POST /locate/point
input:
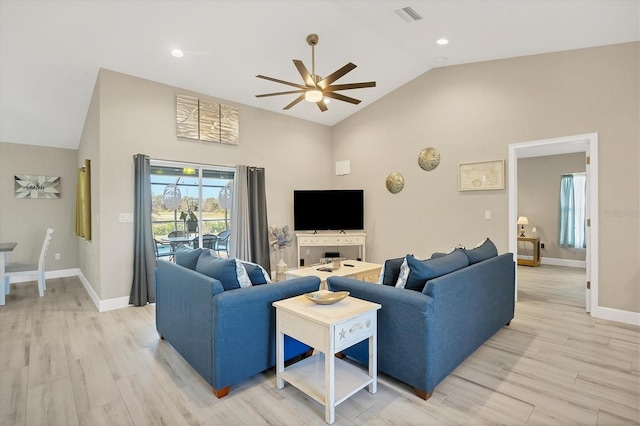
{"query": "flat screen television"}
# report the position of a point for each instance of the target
(331, 209)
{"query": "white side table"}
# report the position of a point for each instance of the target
(329, 329)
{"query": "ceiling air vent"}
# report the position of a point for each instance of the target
(408, 14)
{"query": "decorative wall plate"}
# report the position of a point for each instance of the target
(429, 159)
(395, 182)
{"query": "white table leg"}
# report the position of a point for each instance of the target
(279, 353)
(2, 262)
(329, 378)
(373, 361)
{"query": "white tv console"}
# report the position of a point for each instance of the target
(329, 239)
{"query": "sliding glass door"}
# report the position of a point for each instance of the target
(191, 204)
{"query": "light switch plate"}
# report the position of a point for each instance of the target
(487, 214)
(126, 217)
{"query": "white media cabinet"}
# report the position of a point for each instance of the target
(332, 239)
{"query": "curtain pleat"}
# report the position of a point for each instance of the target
(239, 240)
(572, 227)
(144, 259)
(249, 230)
(83, 202)
(567, 216)
(256, 192)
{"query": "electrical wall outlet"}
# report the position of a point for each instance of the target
(57, 256)
(541, 245)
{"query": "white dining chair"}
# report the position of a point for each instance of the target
(30, 269)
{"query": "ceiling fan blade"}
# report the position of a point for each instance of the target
(325, 82)
(288, 83)
(280, 93)
(304, 73)
(340, 97)
(349, 86)
(296, 101)
(322, 105)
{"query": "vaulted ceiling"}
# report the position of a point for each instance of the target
(51, 50)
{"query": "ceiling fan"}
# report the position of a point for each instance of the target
(316, 88)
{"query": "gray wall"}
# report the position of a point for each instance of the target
(539, 200)
(472, 113)
(25, 220)
(139, 116)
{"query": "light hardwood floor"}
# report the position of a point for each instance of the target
(64, 363)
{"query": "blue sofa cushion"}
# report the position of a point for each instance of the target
(257, 274)
(187, 257)
(390, 271)
(482, 251)
(229, 272)
(421, 271)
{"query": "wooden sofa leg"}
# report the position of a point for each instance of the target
(340, 355)
(307, 354)
(422, 394)
(509, 323)
(221, 392)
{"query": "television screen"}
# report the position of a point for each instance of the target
(332, 209)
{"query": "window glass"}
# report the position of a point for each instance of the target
(190, 200)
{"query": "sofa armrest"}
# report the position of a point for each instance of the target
(183, 312)
(470, 305)
(402, 323)
(244, 329)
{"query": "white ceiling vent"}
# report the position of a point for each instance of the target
(408, 14)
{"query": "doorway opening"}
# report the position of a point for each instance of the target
(588, 144)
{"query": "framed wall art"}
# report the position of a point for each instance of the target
(481, 176)
(33, 186)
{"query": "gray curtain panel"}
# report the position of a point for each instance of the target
(260, 250)
(249, 230)
(143, 289)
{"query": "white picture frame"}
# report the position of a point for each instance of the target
(481, 176)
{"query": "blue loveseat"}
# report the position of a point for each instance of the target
(226, 335)
(424, 333)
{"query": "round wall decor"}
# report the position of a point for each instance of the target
(395, 182)
(429, 159)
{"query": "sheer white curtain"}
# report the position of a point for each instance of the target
(573, 210)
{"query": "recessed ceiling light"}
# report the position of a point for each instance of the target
(442, 41)
(177, 53)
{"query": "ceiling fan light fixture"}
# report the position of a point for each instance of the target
(313, 95)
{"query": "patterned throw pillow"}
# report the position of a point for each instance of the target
(257, 274)
(404, 273)
(390, 271)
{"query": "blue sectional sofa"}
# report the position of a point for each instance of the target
(226, 335)
(424, 333)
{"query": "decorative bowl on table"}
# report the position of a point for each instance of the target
(325, 297)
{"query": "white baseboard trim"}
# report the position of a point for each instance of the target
(60, 273)
(618, 315)
(103, 305)
(563, 262)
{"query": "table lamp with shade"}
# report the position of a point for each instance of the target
(522, 220)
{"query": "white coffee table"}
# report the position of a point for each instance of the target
(329, 329)
(364, 271)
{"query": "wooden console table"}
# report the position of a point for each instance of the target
(535, 260)
(326, 239)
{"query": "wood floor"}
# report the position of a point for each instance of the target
(64, 363)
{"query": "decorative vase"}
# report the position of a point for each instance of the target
(281, 267)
